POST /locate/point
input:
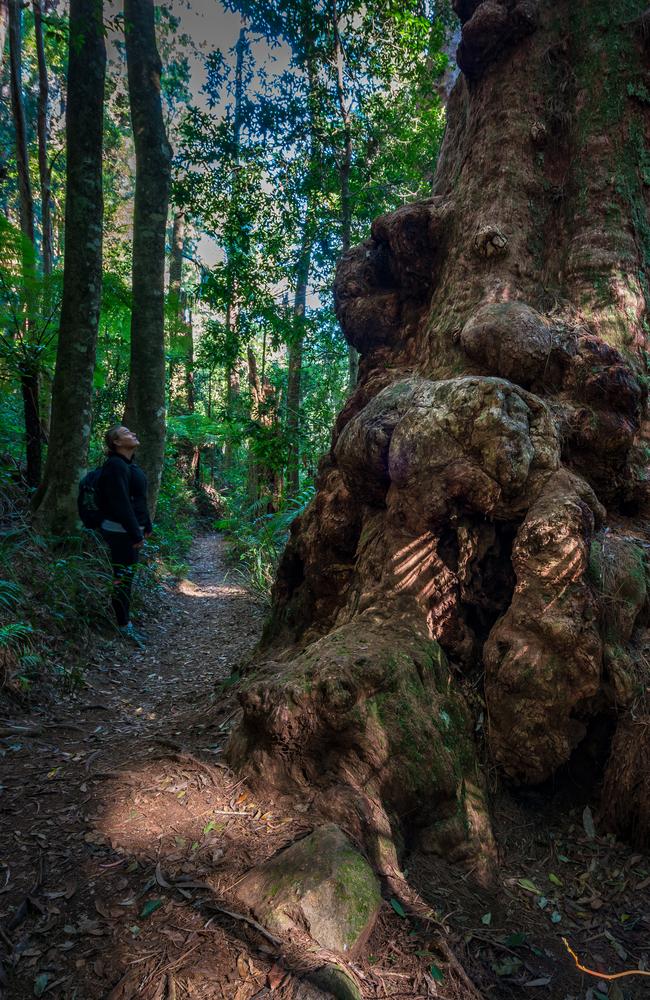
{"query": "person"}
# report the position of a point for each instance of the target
(122, 495)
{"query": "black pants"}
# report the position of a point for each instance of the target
(123, 560)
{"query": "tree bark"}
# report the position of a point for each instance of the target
(4, 22)
(42, 128)
(145, 405)
(181, 373)
(18, 113)
(56, 500)
(345, 166)
(29, 382)
(483, 507)
(232, 307)
(295, 355)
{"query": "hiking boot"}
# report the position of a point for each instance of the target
(132, 634)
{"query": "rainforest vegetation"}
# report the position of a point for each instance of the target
(369, 280)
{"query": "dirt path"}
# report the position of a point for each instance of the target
(116, 810)
(123, 837)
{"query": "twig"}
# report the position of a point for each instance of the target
(602, 975)
(248, 920)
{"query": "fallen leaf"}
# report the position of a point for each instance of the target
(102, 909)
(397, 906)
(276, 977)
(542, 981)
(436, 974)
(160, 878)
(242, 966)
(40, 984)
(554, 879)
(150, 907)
(588, 823)
(526, 883)
(486, 919)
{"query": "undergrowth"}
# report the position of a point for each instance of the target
(258, 539)
(55, 596)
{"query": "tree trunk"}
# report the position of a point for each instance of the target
(232, 308)
(4, 22)
(43, 166)
(483, 504)
(181, 373)
(18, 114)
(56, 501)
(295, 356)
(345, 166)
(29, 382)
(145, 405)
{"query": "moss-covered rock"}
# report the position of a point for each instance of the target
(320, 885)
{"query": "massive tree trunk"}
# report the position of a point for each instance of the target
(82, 272)
(145, 405)
(481, 511)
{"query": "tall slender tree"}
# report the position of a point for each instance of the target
(145, 406)
(55, 501)
(4, 22)
(42, 128)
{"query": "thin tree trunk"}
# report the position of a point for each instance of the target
(181, 374)
(55, 503)
(18, 112)
(4, 21)
(232, 339)
(295, 357)
(29, 388)
(345, 167)
(145, 406)
(42, 127)
(29, 380)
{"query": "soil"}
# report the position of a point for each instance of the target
(123, 836)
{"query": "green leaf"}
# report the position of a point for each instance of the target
(40, 984)
(563, 858)
(507, 966)
(150, 907)
(436, 973)
(556, 917)
(526, 883)
(542, 902)
(209, 826)
(517, 940)
(554, 879)
(397, 906)
(486, 919)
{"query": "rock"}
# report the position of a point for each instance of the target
(321, 885)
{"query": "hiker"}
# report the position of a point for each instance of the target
(122, 495)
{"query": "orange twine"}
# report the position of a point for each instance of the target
(602, 975)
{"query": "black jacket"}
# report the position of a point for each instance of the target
(122, 491)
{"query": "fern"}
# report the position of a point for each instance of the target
(10, 594)
(14, 634)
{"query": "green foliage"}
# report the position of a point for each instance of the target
(258, 540)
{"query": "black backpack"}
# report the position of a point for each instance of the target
(88, 500)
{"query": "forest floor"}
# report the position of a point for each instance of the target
(123, 837)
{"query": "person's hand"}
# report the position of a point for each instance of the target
(138, 545)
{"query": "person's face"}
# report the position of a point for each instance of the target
(126, 438)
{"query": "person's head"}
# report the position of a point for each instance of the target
(119, 440)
